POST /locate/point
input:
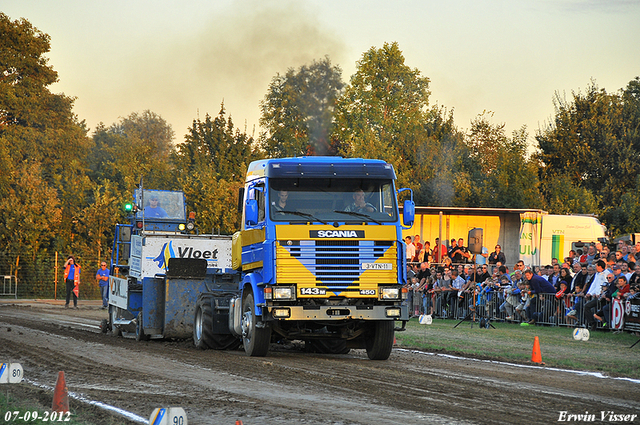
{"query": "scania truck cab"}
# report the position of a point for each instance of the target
(321, 256)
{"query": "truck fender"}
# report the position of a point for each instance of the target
(253, 281)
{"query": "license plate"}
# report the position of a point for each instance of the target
(377, 266)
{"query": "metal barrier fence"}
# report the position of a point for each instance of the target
(37, 277)
(9, 282)
(546, 309)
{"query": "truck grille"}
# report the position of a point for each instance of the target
(334, 263)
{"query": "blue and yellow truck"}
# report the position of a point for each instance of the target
(319, 258)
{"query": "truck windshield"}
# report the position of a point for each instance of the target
(160, 204)
(324, 200)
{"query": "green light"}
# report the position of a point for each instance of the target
(128, 207)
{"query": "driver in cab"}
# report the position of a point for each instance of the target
(359, 205)
(280, 205)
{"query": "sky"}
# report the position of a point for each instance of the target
(184, 59)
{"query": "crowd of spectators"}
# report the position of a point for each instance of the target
(451, 282)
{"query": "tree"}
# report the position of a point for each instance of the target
(150, 129)
(438, 177)
(502, 174)
(210, 165)
(297, 111)
(585, 140)
(215, 144)
(31, 212)
(626, 218)
(34, 123)
(97, 220)
(383, 110)
(563, 196)
(37, 127)
(24, 76)
(136, 146)
(592, 149)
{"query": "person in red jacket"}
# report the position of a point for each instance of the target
(72, 280)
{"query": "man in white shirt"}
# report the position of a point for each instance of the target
(411, 248)
(600, 280)
(457, 281)
(459, 284)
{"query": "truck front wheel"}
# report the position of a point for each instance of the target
(255, 338)
(379, 341)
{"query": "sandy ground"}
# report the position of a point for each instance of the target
(290, 386)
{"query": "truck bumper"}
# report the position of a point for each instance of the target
(377, 312)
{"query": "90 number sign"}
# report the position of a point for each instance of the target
(168, 416)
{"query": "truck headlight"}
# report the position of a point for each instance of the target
(389, 293)
(284, 293)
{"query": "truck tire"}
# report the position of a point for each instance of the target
(140, 335)
(255, 339)
(202, 334)
(203, 337)
(380, 341)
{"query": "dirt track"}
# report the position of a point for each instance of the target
(290, 387)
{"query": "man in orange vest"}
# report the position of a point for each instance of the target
(72, 280)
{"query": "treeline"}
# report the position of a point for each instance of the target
(62, 187)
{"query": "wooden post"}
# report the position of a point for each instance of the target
(16, 274)
(440, 238)
(55, 278)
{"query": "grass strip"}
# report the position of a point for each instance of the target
(605, 352)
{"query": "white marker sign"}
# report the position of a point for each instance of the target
(168, 416)
(10, 373)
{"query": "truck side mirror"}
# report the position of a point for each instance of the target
(408, 213)
(251, 212)
(240, 199)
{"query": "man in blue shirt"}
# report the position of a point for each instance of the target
(154, 209)
(481, 259)
(102, 277)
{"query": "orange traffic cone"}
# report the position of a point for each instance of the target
(60, 395)
(238, 422)
(536, 356)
